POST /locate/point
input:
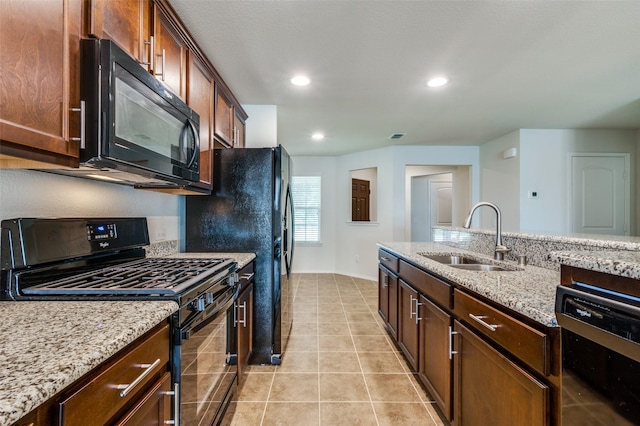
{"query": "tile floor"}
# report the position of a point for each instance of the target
(339, 368)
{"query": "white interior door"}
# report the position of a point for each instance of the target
(431, 204)
(600, 197)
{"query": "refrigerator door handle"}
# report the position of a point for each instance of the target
(288, 213)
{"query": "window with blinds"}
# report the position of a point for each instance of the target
(305, 191)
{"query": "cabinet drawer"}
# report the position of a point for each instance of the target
(100, 399)
(527, 343)
(388, 260)
(435, 289)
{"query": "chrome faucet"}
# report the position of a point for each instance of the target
(500, 248)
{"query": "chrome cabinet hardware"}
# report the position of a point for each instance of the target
(82, 112)
(176, 405)
(163, 57)
(148, 368)
(451, 351)
(150, 62)
(243, 321)
(411, 312)
(386, 259)
(479, 319)
(385, 281)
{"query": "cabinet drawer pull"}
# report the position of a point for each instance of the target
(479, 319)
(148, 368)
(386, 259)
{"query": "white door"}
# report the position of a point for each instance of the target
(600, 194)
(431, 204)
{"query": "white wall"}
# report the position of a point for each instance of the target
(261, 126)
(544, 167)
(500, 183)
(319, 258)
(354, 247)
(636, 170)
(26, 193)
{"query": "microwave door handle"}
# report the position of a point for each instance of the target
(183, 138)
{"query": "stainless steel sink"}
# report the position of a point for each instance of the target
(481, 267)
(467, 263)
(452, 259)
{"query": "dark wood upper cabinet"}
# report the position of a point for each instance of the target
(223, 118)
(200, 98)
(127, 23)
(38, 89)
(169, 63)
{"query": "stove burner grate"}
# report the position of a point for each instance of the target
(150, 276)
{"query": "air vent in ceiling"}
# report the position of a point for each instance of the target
(395, 136)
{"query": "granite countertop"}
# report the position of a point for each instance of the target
(528, 290)
(242, 259)
(622, 263)
(46, 346)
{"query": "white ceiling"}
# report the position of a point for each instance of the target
(511, 64)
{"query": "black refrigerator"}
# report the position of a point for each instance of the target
(250, 210)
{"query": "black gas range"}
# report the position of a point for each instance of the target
(104, 259)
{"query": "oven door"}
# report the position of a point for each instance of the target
(207, 381)
(600, 359)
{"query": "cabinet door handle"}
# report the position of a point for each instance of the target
(385, 281)
(176, 405)
(243, 321)
(479, 319)
(418, 304)
(149, 62)
(83, 114)
(148, 368)
(411, 306)
(451, 351)
(163, 61)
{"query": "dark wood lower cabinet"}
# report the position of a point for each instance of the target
(154, 408)
(388, 300)
(435, 362)
(489, 389)
(408, 322)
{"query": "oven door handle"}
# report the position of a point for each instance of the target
(205, 317)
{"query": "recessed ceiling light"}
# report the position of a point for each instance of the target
(300, 80)
(437, 81)
(317, 136)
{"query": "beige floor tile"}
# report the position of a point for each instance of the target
(339, 362)
(381, 362)
(256, 387)
(366, 328)
(299, 362)
(291, 414)
(244, 414)
(328, 309)
(334, 317)
(304, 329)
(402, 414)
(364, 316)
(304, 316)
(294, 387)
(302, 343)
(347, 413)
(343, 387)
(335, 344)
(378, 343)
(391, 388)
(333, 329)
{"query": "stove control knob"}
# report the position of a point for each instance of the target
(197, 305)
(209, 297)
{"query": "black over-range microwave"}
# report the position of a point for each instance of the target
(134, 129)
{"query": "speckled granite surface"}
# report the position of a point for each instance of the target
(529, 290)
(622, 263)
(241, 258)
(48, 345)
(535, 246)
